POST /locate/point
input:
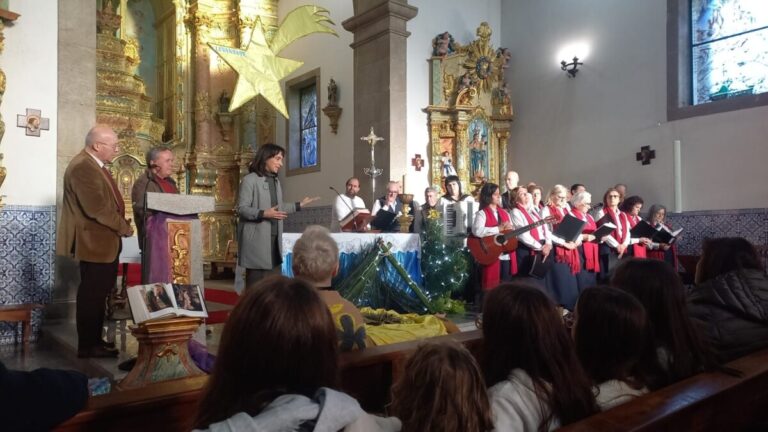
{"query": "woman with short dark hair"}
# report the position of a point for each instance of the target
(277, 366)
(534, 377)
(730, 300)
(491, 220)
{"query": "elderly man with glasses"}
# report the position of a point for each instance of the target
(391, 203)
(92, 222)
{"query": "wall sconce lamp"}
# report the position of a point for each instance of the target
(572, 67)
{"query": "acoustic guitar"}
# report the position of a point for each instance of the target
(487, 249)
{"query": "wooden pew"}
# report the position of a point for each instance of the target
(705, 402)
(171, 406)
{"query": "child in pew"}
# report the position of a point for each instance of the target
(278, 365)
(535, 379)
(614, 345)
(679, 347)
(441, 389)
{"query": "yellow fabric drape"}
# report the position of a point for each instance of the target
(409, 327)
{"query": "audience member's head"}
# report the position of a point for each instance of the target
(613, 339)
(441, 389)
(316, 256)
(723, 255)
(655, 283)
(522, 329)
(279, 339)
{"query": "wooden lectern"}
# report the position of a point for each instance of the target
(172, 253)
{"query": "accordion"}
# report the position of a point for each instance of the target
(457, 218)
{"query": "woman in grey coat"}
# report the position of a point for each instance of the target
(261, 212)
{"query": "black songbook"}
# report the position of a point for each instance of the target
(643, 229)
(604, 227)
(570, 228)
(540, 266)
(383, 220)
(664, 235)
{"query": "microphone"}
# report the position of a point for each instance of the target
(351, 210)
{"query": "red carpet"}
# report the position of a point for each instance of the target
(222, 297)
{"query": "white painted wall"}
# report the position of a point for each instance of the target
(30, 65)
(460, 18)
(333, 56)
(588, 129)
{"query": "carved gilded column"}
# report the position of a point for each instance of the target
(462, 148)
(502, 137)
(5, 15)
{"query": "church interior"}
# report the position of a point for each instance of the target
(407, 91)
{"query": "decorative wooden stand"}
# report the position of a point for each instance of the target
(163, 352)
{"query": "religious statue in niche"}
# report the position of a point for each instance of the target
(447, 165)
(333, 93)
(478, 151)
(443, 44)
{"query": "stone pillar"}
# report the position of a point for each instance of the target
(379, 28)
(77, 114)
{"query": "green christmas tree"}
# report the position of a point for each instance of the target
(445, 265)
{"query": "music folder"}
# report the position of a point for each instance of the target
(643, 229)
(570, 228)
(540, 266)
(383, 220)
(356, 220)
(604, 229)
(664, 235)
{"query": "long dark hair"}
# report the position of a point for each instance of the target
(727, 254)
(613, 338)
(445, 383)
(522, 329)
(486, 194)
(264, 152)
(279, 339)
(658, 287)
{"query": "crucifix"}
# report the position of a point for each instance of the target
(372, 172)
(33, 122)
(417, 162)
(645, 155)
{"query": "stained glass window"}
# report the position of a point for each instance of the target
(729, 48)
(308, 122)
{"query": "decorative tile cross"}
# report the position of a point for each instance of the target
(645, 154)
(417, 162)
(33, 122)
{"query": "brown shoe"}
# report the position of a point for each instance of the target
(97, 352)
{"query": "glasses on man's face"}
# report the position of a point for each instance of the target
(392, 192)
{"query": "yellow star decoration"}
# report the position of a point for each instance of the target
(259, 68)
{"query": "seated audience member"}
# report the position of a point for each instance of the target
(441, 389)
(679, 346)
(535, 379)
(613, 342)
(661, 251)
(278, 365)
(41, 399)
(316, 260)
(730, 300)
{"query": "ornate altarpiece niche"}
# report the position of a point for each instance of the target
(470, 111)
(212, 148)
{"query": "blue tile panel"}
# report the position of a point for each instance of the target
(752, 224)
(27, 244)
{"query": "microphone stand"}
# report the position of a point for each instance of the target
(351, 210)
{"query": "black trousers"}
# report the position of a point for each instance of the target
(97, 280)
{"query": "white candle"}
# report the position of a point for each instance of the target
(678, 178)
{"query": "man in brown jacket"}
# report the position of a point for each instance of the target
(92, 222)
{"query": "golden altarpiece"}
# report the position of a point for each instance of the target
(470, 111)
(184, 108)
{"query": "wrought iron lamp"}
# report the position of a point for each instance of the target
(572, 67)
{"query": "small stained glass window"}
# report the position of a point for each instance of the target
(729, 49)
(308, 122)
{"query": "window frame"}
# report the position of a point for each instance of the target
(679, 71)
(293, 123)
